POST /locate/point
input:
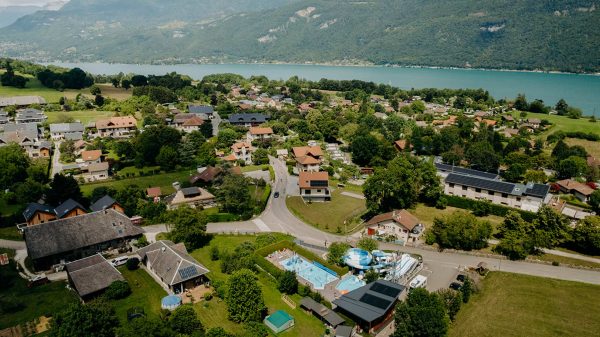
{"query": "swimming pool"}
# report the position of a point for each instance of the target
(316, 276)
(358, 258)
(349, 283)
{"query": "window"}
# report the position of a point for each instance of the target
(491, 192)
(464, 188)
(478, 190)
(518, 198)
(306, 191)
(504, 195)
(451, 184)
(318, 191)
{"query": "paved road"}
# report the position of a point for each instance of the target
(215, 123)
(15, 245)
(57, 167)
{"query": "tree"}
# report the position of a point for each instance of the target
(571, 167)
(561, 107)
(139, 80)
(148, 327)
(96, 319)
(29, 191)
(574, 113)
(515, 173)
(535, 176)
(551, 228)
(481, 156)
(234, 195)
(467, 289)
(594, 201)
(337, 250)
(114, 82)
(367, 244)
(185, 321)
(189, 226)
(67, 151)
(244, 297)
(287, 282)
(167, 158)
(521, 103)
(461, 230)
(260, 157)
(364, 148)
(206, 129)
(148, 143)
(95, 90)
(63, 188)
(226, 138)
(586, 236)
(14, 163)
(117, 290)
(218, 332)
(126, 84)
(423, 314)
(371, 276)
(452, 300)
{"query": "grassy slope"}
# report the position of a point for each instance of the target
(592, 148)
(35, 88)
(328, 216)
(563, 123)
(214, 313)
(164, 181)
(519, 305)
(84, 117)
(37, 301)
(427, 214)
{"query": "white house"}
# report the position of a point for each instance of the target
(398, 225)
(314, 186)
(242, 151)
(96, 171)
(257, 133)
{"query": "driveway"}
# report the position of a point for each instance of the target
(57, 167)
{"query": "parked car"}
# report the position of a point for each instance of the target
(461, 277)
(119, 261)
(455, 285)
(276, 195)
(38, 280)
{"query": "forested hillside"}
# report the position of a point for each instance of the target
(513, 34)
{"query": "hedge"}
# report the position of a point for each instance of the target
(222, 217)
(267, 266)
(301, 251)
(499, 210)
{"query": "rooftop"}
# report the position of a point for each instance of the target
(92, 274)
(91, 155)
(372, 301)
(66, 207)
(403, 217)
(261, 131)
(103, 203)
(313, 180)
(531, 189)
(464, 171)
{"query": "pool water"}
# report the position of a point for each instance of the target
(308, 271)
(349, 283)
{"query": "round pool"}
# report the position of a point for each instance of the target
(170, 302)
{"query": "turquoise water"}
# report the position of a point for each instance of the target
(350, 283)
(308, 271)
(582, 91)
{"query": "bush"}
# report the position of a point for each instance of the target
(214, 253)
(208, 296)
(118, 290)
(287, 282)
(133, 263)
(220, 288)
(256, 329)
(268, 267)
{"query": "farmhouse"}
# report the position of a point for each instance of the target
(91, 275)
(96, 172)
(398, 224)
(71, 131)
(314, 186)
(172, 266)
(116, 127)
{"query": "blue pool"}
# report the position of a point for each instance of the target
(349, 283)
(312, 273)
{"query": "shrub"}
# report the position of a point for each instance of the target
(220, 288)
(208, 296)
(133, 263)
(118, 290)
(288, 283)
(256, 329)
(214, 253)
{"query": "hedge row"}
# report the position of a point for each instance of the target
(301, 251)
(267, 266)
(559, 135)
(223, 217)
(499, 210)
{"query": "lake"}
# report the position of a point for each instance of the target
(582, 91)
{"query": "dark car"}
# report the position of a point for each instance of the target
(455, 285)
(461, 277)
(276, 195)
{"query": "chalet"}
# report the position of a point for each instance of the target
(314, 186)
(116, 127)
(106, 202)
(91, 157)
(579, 190)
(190, 124)
(69, 209)
(205, 175)
(534, 122)
(70, 131)
(308, 158)
(21, 101)
(247, 120)
(172, 266)
(371, 306)
(257, 133)
(38, 213)
(207, 110)
(399, 225)
(194, 197)
(242, 151)
(30, 116)
(90, 276)
(73, 238)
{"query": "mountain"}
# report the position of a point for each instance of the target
(10, 14)
(510, 34)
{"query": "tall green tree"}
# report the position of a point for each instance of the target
(234, 195)
(95, 319)
(461, 230)
(483, 157)
(586, 236)
(336, 252)
(63, 188)
(287, 282)
(552, 228)
(189, 226)
(13, 165)
(244, 297)
(452, 301)
(367, 244)
(167, 158)
(185, 321)
(423, 314)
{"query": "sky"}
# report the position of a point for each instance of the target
(4, 3)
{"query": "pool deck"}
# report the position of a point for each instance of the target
(329, 292)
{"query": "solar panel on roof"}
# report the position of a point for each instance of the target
(319, 183)
(385, 290)
(375, 301)
(188, 272)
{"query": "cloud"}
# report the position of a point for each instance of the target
(5, 3)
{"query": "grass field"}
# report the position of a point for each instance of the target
(427, 214)
(163, 181)
(145, 293)
(10, 233)
(35, 88)
(328, 216)
(84, 117)
(567, 260)
(520, 305)
(592, 148)
(214, 312)
(33, 302)
(563, 123)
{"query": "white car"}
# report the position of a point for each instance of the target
(119, 261)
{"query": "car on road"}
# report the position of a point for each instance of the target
(276, 195)
(455, 285)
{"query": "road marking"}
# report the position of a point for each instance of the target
(262, 226)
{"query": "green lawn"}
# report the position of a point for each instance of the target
(520, 305)
(84, 116)
(7, 209)
(10, 233)
(328, 216)
(33, 302)
(567, 260)
(214, 312)
(563, 123)
(33, 88)
(145, 293)
(164, 181)
(250, 168)
(427, 214)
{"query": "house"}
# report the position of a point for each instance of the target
(72, 131)
(314, 186)
(28, 137)
(79, 146)
(308, 158)
(30, 116)
(579, 190)
(344, 331)
(508, 118)
(242, 151)
(91, 156)
(172, 266)
(529, 197)
(73, 238)
(106, 202)
(322, 312)
(194, 197)
(38, 213)
(207, 110)
(444, 170)
(21, 101)
(510, 132)
(69, 209)
(398, 224)
(279, 321)
(189, 125)
(247, 120)
(282, 153)
(371, 306)
(96, 172)
(401, 145)
(206, 175)
(116, 127)
(91, 276)
(154, 193)
(535, 123)
(257, 133)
